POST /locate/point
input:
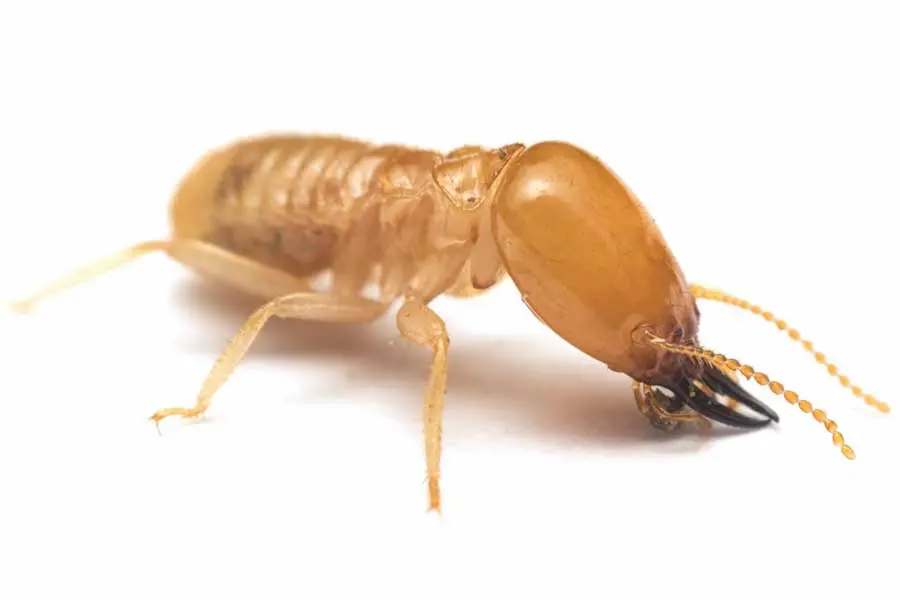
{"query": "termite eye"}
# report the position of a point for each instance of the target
(502, 154)
(678, 332)
(471, 200)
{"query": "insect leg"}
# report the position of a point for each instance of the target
(421, 325)
(208, 259)
(310, 306)
(89, 271)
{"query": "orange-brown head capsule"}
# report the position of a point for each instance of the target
(593, 266)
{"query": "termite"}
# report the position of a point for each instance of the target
(271, 214)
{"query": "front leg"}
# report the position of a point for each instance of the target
(421, 325)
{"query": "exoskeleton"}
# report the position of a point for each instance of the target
(270, 215)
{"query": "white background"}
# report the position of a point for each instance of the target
(764, 140)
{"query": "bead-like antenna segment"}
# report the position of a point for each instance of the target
(718, 360)
(700, 291)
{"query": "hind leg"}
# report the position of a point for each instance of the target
(208, 259)
(89, 271)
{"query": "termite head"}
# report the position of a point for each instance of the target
(593, 266)
(467, 174)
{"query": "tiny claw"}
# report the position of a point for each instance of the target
(171, 412)
(156, 418)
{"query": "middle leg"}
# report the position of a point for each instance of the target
(310, 306)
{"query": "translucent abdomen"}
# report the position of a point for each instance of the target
(284, 201)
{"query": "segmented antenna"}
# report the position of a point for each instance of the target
(718, 360)
(716, 295)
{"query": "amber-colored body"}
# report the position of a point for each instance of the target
(272, 215)
(370, 215)
(409, 221)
